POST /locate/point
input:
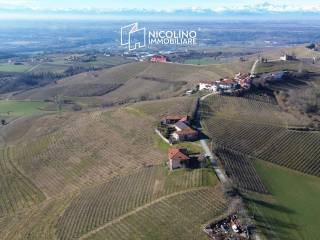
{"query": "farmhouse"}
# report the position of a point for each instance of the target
(184, 132)
(287, 57)
(159, 58)
(179, 128)
(188, 134)
(181, 125)
(177, 157)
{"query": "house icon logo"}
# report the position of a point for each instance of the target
(133, 36)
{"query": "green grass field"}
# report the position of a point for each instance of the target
(4, 67)
(293, 210)
(19, 108)
(193, 147)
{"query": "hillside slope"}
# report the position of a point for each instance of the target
(133, 82)
(99, 166)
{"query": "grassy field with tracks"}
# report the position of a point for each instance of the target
(292, 210)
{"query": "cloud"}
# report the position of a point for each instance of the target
(18, 3)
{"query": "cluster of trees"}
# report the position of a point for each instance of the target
(21, 81)
(313, 46)
(73, 70)
(308, 100)
(165, 130)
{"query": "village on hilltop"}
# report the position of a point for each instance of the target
(240, 82)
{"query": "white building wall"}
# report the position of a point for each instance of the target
(174, 164)
(204, 86)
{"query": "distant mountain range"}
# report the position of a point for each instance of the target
(258, 10)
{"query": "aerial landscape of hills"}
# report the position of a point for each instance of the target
(219, 140)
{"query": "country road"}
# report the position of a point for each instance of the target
(220, 174)
(253, 69)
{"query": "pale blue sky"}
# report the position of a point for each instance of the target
(155, 4)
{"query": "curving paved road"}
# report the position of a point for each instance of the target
(220, 174)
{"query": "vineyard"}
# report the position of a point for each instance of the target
(16, 191)
(34, 223)
(171, 106)
(97, 206)
(259, 130)
(247, 178)
(90, 148)
(296, 150)
(175, 217)
(247, 110)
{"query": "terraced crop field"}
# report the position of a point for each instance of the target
(178, 216)
(100, 205)
(259, 129)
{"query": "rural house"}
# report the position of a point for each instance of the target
(185, 135)
(287, 57)
(205, 86)
(183, 132)
(177, 157)
(179, 128)
(159, 58)
(244, 80)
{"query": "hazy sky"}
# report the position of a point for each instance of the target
(155, 4)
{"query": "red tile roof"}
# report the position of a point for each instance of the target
(187, 131)
(177, 154)
(175, 117)
(159, 59)
(184, 119)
